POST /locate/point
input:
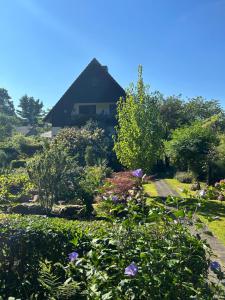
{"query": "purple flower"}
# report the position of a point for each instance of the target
(115, 198)
(215, 266)
(73, 256)
(131, 270)
(138, 173)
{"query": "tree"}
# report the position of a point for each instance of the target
(6, 105)
(138, 140)
(194, 148)
(198, 108)
(7, 124)
(172, 112)
(31, 109)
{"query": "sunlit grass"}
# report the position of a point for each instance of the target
(150, 189)
(209, 209)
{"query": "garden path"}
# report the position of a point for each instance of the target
(164, 190)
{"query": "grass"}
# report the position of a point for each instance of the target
(209, 209)
(150, 189)
(180, 187)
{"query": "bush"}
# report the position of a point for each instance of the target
(15, 187)
(55, 175)
(184, 177)
(15, 164)
(25, 241)
(80, 142)
(169, 262)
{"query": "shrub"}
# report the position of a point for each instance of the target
(184, 177)
(15, 187)
(55, 175)
(120, 183)
(25, 241)
(18, 164)
(80, 142)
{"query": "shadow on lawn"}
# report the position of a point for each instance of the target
(209, 208)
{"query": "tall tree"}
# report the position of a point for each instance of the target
(31, 109)
(138, 140)
(6, 105)
(198, 108)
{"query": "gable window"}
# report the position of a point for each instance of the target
(87, 109)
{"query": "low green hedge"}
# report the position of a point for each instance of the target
(34, 262)
(25, 241)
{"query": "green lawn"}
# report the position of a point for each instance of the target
(180, 187)
(150, 189)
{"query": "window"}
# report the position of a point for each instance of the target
(87, 109)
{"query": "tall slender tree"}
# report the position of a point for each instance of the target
(138, 140)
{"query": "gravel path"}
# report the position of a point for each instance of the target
(164, 190)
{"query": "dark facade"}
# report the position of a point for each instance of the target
(93, 95)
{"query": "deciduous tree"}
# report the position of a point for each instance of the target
(138, 140)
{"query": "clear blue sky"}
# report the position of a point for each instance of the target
(45, 44)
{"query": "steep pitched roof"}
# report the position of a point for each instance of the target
(94, 84)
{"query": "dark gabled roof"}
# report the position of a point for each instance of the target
(94, 84)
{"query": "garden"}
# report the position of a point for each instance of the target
(81, 215)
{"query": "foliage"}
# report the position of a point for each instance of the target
(30, 109)
(15, 187)
(6, 105)
(184, 177)
(198, 109)
(193, 148)
(138, 140)
(3, 159)
(55, 175)
(100, 272)
(146, 253)
(20, 163)
(80, 141)
(177, 113)
(7, 124)
(25, 241)
(120, 183)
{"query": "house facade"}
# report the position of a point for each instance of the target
(93, 95)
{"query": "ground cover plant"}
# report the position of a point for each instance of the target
(145, 253)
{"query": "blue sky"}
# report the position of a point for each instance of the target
(45, 44)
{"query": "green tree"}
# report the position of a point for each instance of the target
(138, 140)
(6, 105)
(7, 125)
(194, 148)
(198, 108)
(30, 109)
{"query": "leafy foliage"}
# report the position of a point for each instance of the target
(193, 148)
(79, 142)
(15, 187)
(55, 175)
(138, 141)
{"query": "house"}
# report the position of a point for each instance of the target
(93, 95)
